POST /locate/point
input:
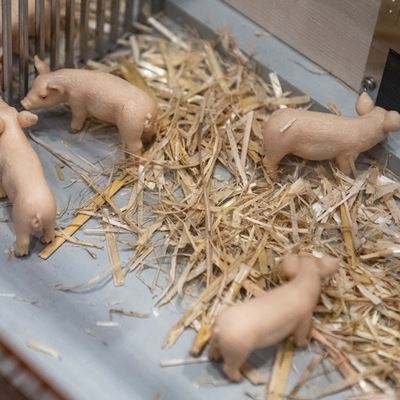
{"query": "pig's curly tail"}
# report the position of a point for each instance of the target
(37, 222)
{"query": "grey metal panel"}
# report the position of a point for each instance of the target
(334, 34)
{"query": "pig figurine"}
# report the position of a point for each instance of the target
(104, 96)
(322, 136)
(273, 316)
(23, 181)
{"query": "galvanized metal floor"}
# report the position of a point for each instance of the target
(122, 362)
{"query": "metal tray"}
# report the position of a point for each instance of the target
(123, 362)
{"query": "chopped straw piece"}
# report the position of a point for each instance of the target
(113, 254)
(280, 371)
(92, 205)
(32, 344)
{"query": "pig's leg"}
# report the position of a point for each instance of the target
(48, 234)
(22, 225)
(134, 146)
(131, 138)
(232, 367)
(131, 129)
(271, 165)
(22, 242)
(345, 163)
(79, 115)
(302, 332)
(234, 357)
(3, 193)
(213, 352)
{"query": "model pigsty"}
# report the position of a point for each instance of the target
(23, 181)
(322, 136)
(101, 95)
(270, 318)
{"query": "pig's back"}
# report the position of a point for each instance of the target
(106, 96)
(264, 320)
(317, 136)
(20, 168)
(91, 82)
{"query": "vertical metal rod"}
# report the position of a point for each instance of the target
(7, 49)
(55, 33)
(114, 32)
(128, 15)
(40, 28)
(23, 47)
(100, 28)
(84, 30)
(69, 32)
(138, 14)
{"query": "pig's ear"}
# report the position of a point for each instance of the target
(289, 266)
(27, 119)
(391, 121)
(364, 104)
(55, 86)
(41, 66)
(329, 265)
(2, 126)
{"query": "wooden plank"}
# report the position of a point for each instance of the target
(92, 205)
(334, 34)
(280, 371)
(113, 254)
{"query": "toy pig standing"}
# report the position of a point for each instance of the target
(270, 318)
(23, 181)
(322, 136)
(104, 96)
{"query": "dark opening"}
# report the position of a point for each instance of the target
(389, 90)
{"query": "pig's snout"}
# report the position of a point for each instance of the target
(26, 103)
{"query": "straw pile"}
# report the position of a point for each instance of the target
(225, 222)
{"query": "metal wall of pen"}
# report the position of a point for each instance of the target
(68, 32)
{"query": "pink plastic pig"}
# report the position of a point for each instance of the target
(322, 136)
(104, 96)
(23, 181)
(270, 318)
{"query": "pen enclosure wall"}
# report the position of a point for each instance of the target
(68, 32)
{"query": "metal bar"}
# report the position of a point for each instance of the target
(128, 15)
(23, 47)
(7, 49)
(138, 15)
(69, 32)
(40, 28)
(55, 33)
(115, 9)
(84, 30)
(100, 28)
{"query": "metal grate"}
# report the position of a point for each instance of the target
(69, 32)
